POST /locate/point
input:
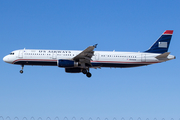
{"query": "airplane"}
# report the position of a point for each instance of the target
(81, 61)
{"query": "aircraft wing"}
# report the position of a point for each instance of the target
(85, 56)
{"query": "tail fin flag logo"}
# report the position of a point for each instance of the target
(163, 44)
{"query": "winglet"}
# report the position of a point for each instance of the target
(95, 45)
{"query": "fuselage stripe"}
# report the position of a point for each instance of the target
(123, 62)
(42, 60)
(51, 60)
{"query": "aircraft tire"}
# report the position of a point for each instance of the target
(21, 71)
(84, 71)
(88, 74)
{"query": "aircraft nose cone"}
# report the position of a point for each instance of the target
(5, 59)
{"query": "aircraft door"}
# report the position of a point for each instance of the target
(20, 54)
(54, 56)
(143, 57)
(97, 56)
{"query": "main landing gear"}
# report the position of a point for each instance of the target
(21, 71)
(86, 71)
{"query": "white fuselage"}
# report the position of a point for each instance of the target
(80, 61)
(100, 58)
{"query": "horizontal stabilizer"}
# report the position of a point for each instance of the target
(164, 55)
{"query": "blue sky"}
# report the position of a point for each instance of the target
(121, 25)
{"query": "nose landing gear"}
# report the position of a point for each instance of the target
(21, 71)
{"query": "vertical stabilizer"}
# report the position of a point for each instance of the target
(162, 44)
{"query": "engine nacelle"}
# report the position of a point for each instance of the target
(67, 63)
(73, 70)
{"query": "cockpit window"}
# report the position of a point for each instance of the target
(11, 54)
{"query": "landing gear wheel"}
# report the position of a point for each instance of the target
(84, 71)
(88, 74)
(21, 71)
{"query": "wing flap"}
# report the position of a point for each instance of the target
(85, 56)
(88, 52)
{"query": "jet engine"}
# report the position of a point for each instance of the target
(67, 63)
(73, 70)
